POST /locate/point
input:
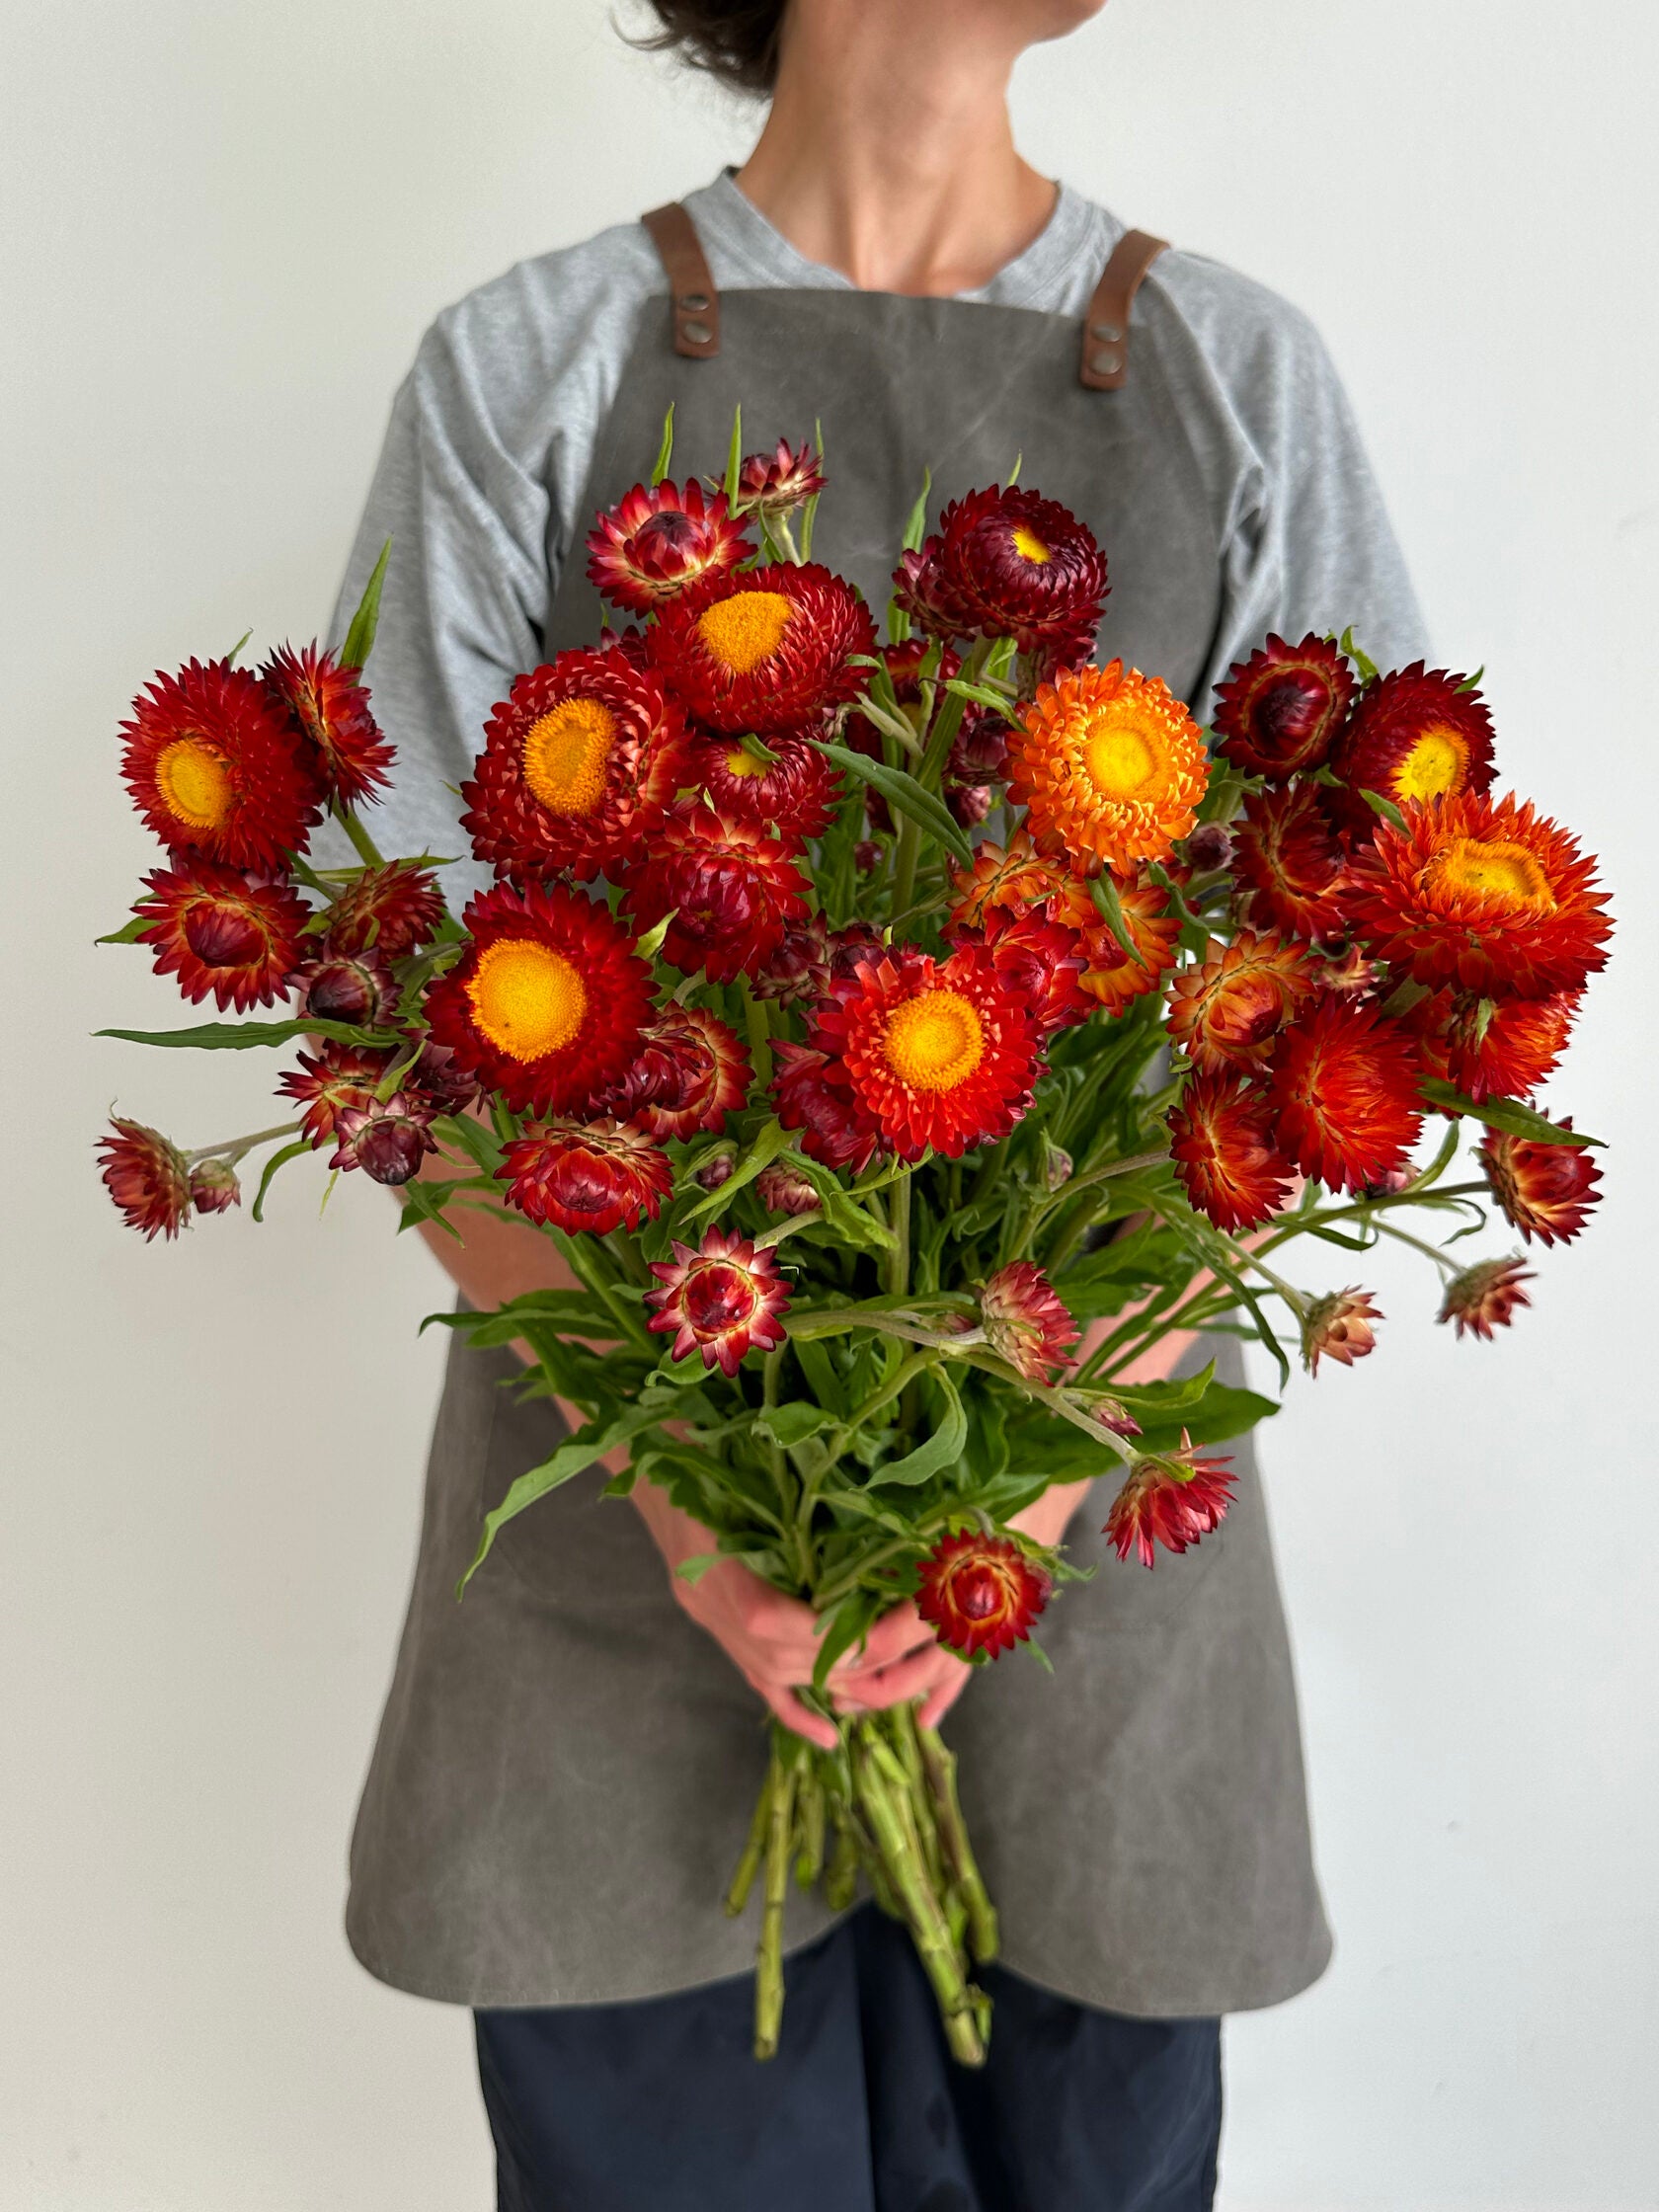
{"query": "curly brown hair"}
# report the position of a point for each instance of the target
(735, 40)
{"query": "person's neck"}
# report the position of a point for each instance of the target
(889, 153)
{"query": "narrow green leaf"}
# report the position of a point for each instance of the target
(790, 1425)
(1473, 683)
(983, 696)
(847, 1624)
(1385, 807)
(588, 1443)
(1507, 1114)
(234, 653)
(903, 793)
(128, 932)
(940, 1451)
(1104, 892)
(665, 451)
(651, 944)
(734, 458)
(916, 527)
(243, 1036)
(772, 1139)
(359, 638)
(275, 1161)
(1013, 473)
(1360, 660)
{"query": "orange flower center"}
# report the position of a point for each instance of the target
(526, 999)
(1123, 751)
(739, 761)
(1503, 875)
(1030, 547)
(748, 628)
(1436, 763)
(194, 782)
(566, 753)
(934, 1041)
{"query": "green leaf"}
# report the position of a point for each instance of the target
(651, 944)
(665, 451)
(1104, 892)
(243, 1035)
(235, 653)
(916, 527)
(1473, 683)
(790, 1425)
(940, 1451)
(588, 1443)
(903, 793)
(1507, 1114)
(1385, 807)
(359, 638)
(772, 1139)
(1361, 660)
(734, 458)
(983, 696)
(1222, 1414)
(128, 932)
(277, 1161)
(850, 1623)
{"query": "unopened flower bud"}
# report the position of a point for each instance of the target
(1339, 1327)
(1210, 846)
(1056, 1166)
(1113, 1415)
(388, 1139)
(346, 989)
(718, 1170)
(783, 1189)
(213, 1186)
(1485, 1295)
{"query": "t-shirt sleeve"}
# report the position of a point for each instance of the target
(465, 597)
(1309, 544)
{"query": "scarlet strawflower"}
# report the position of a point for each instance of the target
(1011, 564)
(808, 957)
(1344, 1087)
(791, 783)
(547, 1004)
(783, 1189)
(980, 1593)
(768, 649)
(331, 1081)
(733, 891)
(214, 1187)
(689, 1073)
(976, 763)
(1547, 1191)
(1024, 1322)
(1112, 976)
(1339, 1327)
(723, 1300)
(147, 1177)
(342, 989)
(1230, 1012)
(580, 764)
(1287, 856)
(654, 544)
(215, 766)
(1015, 877)
(1485, 1296)
(1493, 1048)
(941, 1056)
(222, 932)
(1172, 1498)
(329, 705)
(776, 483)
(386, 1138)
(812, 1093)
(387, 911)
(1108, 766)
(594, 1176)
(1415, 736)
(1223, 1143)
(1041, 960)
(1483, 894)
(1280, 709)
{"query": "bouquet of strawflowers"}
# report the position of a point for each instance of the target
(897, 1040)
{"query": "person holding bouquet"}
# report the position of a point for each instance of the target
(566, 1763)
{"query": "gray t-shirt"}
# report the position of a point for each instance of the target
(481, 478)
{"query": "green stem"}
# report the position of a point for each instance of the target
(748, 1862)
(757, 1020)
(809, 1822)
(984, 1935)
(898, 1221)
(904, 863)
(363, 845)
(883, 1796)
(840, 1881)
(234, 1147)
(768, 1962)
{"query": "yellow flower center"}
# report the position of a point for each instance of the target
(566, 753)
(194, 782)
(739, 761)
(1504, 874)
(1436, 763)
(1121, 753)
(526, 999)
(748, 628)
(934, 1041)
(1030, 547)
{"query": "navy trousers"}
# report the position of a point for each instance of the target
(659, 2106)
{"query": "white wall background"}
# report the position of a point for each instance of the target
(226, 225)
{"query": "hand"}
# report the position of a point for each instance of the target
(902, 1659)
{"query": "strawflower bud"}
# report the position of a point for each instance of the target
(214, 1187)
(1339, 1327)
(1484, 1296)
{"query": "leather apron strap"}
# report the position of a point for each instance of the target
(1105, 360)
(696, 303)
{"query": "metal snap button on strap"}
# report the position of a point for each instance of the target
(695, 302)
(1105, 356)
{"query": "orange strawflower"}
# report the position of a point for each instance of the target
(1223, 1143)
(592, 1177)
(148, 1178)
(1547, 1191)
(1344, 1087)
(1228, 1012)
(1286, 855)
(1485, 1296)
(1109, 766)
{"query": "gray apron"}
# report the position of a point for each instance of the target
(567, 1764)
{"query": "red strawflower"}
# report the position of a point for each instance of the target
(1011, 564)
(1344, 1086)
(689, 1073)
(222, 932)
(580, 764)
(768, 649)
(980, 1593)
(387, 1138)
(941, 1056)
(1223, 1143)
(1280, 709)
(1024, 1322)
(215, 766)
(594, 1176)
(795, 788)
(1172, 1498)
(1042, 963)
(1485, 1296)
(548, 1002)
(723, 1300)
(1547, 1191)
(1493, 1048)
(653, 545)
(733, 891)
(214, 1187)
(1486, 895)
(146, 1176)
(776, 483)
(329, 705)
(438, 1077)
(808, 957)
(1230, 1012)
(1339, 1327)
(811, 1094)
(329, 1082)
(783, 1189)
(1415, 736)
(1287, 856)
(387, 911)
(341, 989)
